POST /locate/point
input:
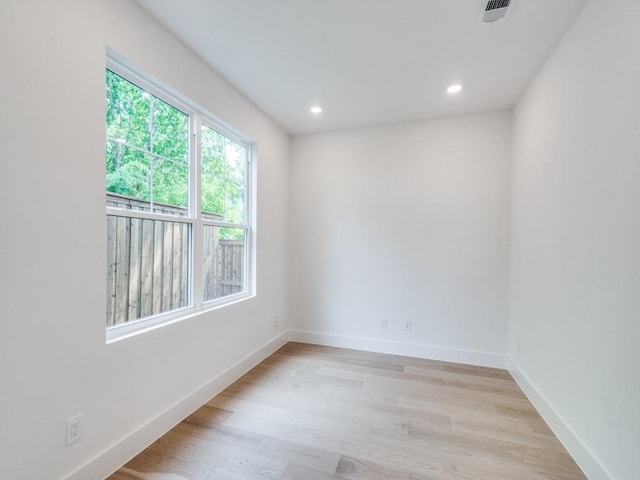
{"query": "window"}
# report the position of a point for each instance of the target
(178, 204)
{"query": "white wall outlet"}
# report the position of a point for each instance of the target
(383, 323)
(407, 326)
(74, 432)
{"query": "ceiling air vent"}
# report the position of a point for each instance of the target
(495, 10)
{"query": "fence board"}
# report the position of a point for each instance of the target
(223, 254)
(122, 270)
(135, 261)
(176, 266)
(158, 237)
(167, 266)
(235, 264)
(111, 269)
(186, 247)
(146, 268)
(206, 263)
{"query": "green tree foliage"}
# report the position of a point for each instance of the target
(223, 172)
(147, 145)
(148, 156)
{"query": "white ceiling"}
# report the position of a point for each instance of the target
(368, 62)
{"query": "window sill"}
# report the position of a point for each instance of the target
(128, 330)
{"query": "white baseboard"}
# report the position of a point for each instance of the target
(104, 464)
(585, 459)
(470, 357)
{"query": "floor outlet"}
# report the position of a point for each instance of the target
(74, 433)
(383, 323)
(407, 326)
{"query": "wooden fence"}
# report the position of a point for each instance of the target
(148, 263)
(223, 265)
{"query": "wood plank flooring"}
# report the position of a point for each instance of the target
(319, 413)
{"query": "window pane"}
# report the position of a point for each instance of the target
(236, 161)
(234, 202)
(148, 269)
(212, 152)
(170, 185)
(128, 108)
(224, 261)
(170, 132)
(128, 171)
(213, 196)
(147, 148)
(223, 171)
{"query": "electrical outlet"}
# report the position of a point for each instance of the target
(407, 326)
(74, 432)
(383, 323)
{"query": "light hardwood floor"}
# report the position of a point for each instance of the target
(318, 413)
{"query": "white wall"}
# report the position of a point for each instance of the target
(408, 222)
(575, 273)
(54, 360)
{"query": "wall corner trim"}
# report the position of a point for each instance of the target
(590, 465)
(118, 454)
(445, 354)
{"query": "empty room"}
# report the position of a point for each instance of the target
(313, 240)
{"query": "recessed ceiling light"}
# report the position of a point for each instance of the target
(316, 109)
(454, 88)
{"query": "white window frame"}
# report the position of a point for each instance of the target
(198, 116)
